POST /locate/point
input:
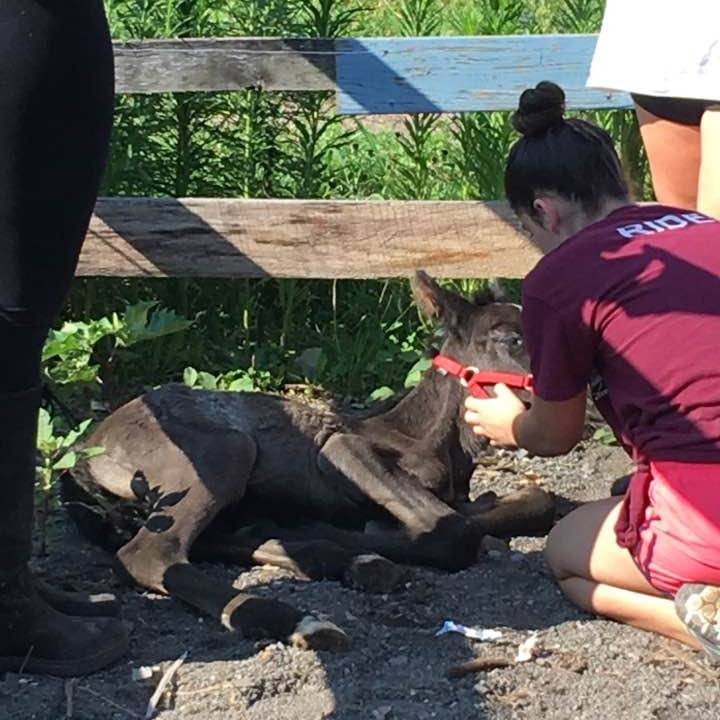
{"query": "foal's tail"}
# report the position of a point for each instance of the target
(93, 514)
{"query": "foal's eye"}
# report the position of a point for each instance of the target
(514, 341)
(511, 340)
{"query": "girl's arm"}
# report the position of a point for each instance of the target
(547, 428)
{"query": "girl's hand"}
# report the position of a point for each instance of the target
(495, 417)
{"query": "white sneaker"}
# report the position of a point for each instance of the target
(698, 606)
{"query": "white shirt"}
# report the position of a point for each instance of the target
(659, 47)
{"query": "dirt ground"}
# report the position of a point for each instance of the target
(396, 668)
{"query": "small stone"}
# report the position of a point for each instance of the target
(383, 712)
(490, 543)
(145, 674)
(398, 660)
(376, 574)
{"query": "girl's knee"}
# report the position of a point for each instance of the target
(555, 552)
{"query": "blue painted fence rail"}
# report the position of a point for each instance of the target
(372, 75)
(457, 74)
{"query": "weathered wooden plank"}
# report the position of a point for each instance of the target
(153, 66)
(456, 74)
(303, 239)
(371, 75)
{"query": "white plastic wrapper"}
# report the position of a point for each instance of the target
(475, 633)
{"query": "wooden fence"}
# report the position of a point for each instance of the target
(335, 239)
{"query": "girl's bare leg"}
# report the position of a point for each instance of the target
(709, 183)
(601, 577)
(673, 150)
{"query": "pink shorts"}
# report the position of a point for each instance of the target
(678, 541)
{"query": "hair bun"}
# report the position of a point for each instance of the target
(539, 108)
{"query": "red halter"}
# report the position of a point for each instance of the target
(476, 380)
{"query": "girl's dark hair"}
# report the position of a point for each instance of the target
(572, 158)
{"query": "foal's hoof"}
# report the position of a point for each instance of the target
(257, 617)
(312, 634)
(375, 574)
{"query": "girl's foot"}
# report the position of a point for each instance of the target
(698, 606)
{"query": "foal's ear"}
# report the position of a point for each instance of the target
(493, 292)
(445, 306)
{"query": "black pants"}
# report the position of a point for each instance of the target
(56, 104)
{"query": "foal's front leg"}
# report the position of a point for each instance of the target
(527, 512)
(431, 532)
(306, 557)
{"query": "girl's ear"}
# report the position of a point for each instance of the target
(547, 213)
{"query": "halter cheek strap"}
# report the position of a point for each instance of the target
(476, 380)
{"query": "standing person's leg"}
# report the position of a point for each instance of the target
(56, 100)
(672, 144)
(709, 183)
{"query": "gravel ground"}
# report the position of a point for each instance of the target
(396, 668)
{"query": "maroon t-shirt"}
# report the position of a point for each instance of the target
(631, 306)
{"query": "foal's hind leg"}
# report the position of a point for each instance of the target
(194, 488)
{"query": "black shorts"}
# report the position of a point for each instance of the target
(679, 110)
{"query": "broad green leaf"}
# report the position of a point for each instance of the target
(207, 381)
(45, 434)
(66, 462)
(190, 376)
(242, 384)
(72, 437)
(381, 393)
(140, 325)
(605, 435)
(417, 371)
(92, 452)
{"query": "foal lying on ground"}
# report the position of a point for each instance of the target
(257, 478)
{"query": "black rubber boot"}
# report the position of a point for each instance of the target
(78, 603)
(34, 636)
